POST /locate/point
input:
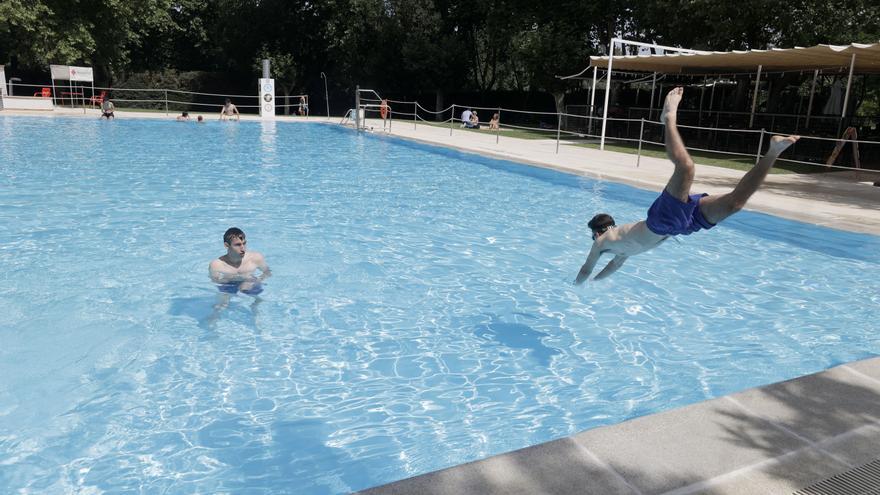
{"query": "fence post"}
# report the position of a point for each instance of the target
(641, 132)
(558, 130)
(452, 119)
(166, 102)
(498, 129)
(760, 145)
(357, 108)
(415, 113)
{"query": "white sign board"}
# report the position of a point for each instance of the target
(2, 81)
(84, 74)
(60, 71)
(267, 98)
(72, 73)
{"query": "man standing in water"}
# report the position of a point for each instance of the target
(675, 211)
(234, 271)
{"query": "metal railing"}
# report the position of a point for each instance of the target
(814, 153)
(166, 99)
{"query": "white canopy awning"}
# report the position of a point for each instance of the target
(819, 57)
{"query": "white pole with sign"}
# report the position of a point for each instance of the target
(267, 99)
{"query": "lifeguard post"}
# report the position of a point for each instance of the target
(266, 91)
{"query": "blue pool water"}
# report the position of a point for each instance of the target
(421, 312)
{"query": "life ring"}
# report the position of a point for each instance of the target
(383, 109)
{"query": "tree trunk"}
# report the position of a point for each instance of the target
(438, 106)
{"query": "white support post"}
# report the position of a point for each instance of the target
(760, 145)
(812, 92)
(712, 95)
(607, 95)
(592, 109)
(702, 95)
(651, 102)
(641, 133)
(755, 96)
(852, 65)
(357, 108)
(558, 130)
(452, 120)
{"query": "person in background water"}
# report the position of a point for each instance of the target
(183, 117)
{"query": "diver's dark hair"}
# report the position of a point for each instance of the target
(232, 232)
(600, 221)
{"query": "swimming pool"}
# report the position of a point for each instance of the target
(421, 312)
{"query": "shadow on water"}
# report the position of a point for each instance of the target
(516, 336)
(207, 310)
(286, 456)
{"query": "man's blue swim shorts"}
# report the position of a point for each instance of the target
(232, 288)
(669, 216)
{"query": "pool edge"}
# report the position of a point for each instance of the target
(776, 438)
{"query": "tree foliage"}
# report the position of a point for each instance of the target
(403, 46)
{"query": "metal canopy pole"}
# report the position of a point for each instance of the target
(852, 65)
(592, 101)
(702, 94)
(812, 92)
(651, 101)
(607, 95)
(712, 95)
(755, 96)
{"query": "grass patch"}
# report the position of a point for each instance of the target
(716, 159)
(505, 131)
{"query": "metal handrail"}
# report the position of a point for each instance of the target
(641, 138)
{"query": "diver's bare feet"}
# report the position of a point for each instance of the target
(778, 144)
(670, 107)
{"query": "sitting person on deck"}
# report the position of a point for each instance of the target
(107, 109)
(475, 120)
(466, 118)
(496, 119)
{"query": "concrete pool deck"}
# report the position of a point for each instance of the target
(777, 438)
